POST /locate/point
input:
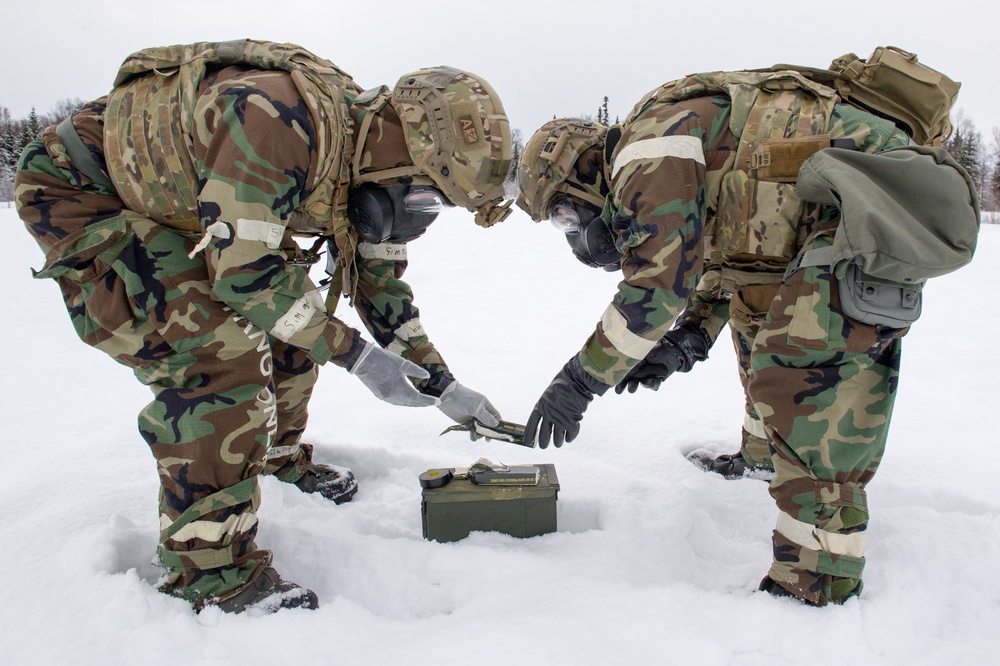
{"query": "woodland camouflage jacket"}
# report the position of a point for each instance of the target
(259, 150)
(691, 224)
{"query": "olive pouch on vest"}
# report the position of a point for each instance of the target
(893, 85)
(907, 215)
(521, 505)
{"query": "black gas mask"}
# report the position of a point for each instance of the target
(587, 234)
(394, 213)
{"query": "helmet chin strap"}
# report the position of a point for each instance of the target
(582, 194)
(389, 174)
(493, 212)
(370, 104)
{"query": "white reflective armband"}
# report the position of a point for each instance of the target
(813, 538)
(681, 146)
(298, 316)
(616, 330)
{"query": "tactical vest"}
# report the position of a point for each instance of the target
(780, 119)
(150, 118)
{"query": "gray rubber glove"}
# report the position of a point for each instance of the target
(460, 403)
(385, 374)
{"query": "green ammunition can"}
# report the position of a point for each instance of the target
(453, 510)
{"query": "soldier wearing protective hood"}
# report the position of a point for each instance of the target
(168, 212)
(576, 181)
(696, 199)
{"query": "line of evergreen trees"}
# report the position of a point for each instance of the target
(982, 161)
(16, 133)
(966, 145)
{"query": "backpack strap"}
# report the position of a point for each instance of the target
(81, 158)
(820, 256)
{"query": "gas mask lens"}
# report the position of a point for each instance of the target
(565, 218)
(425, 201)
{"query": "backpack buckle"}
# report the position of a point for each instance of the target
(757, 160)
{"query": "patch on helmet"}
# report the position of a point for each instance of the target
(469, 132)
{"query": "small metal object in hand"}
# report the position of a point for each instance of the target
(505, 431)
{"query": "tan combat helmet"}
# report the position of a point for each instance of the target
(551, 164)
(458, 134)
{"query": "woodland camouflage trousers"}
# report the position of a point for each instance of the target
(824, 386)
(229, 403)
(747, 310)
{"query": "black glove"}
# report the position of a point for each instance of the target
(677, 351)
(561, 407)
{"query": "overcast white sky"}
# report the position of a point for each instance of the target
(544, 58)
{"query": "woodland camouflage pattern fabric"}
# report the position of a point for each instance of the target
(824, 386)
(222, 322)
(699, 231)
(141, 146)
(710, 308)
(144, 304)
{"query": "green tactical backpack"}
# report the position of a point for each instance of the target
(907, 215)
(893, 84)
(150, 116)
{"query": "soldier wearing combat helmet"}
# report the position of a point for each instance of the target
(168, 212)
(703, 213)
(556, 185)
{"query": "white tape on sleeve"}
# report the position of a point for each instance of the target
(388, 251)
(259, 230)
(281, 451)
(298, 316)
(214, 230)
(410, 329)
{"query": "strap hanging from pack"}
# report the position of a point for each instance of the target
(81, 158)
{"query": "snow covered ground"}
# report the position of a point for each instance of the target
(654, 561)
